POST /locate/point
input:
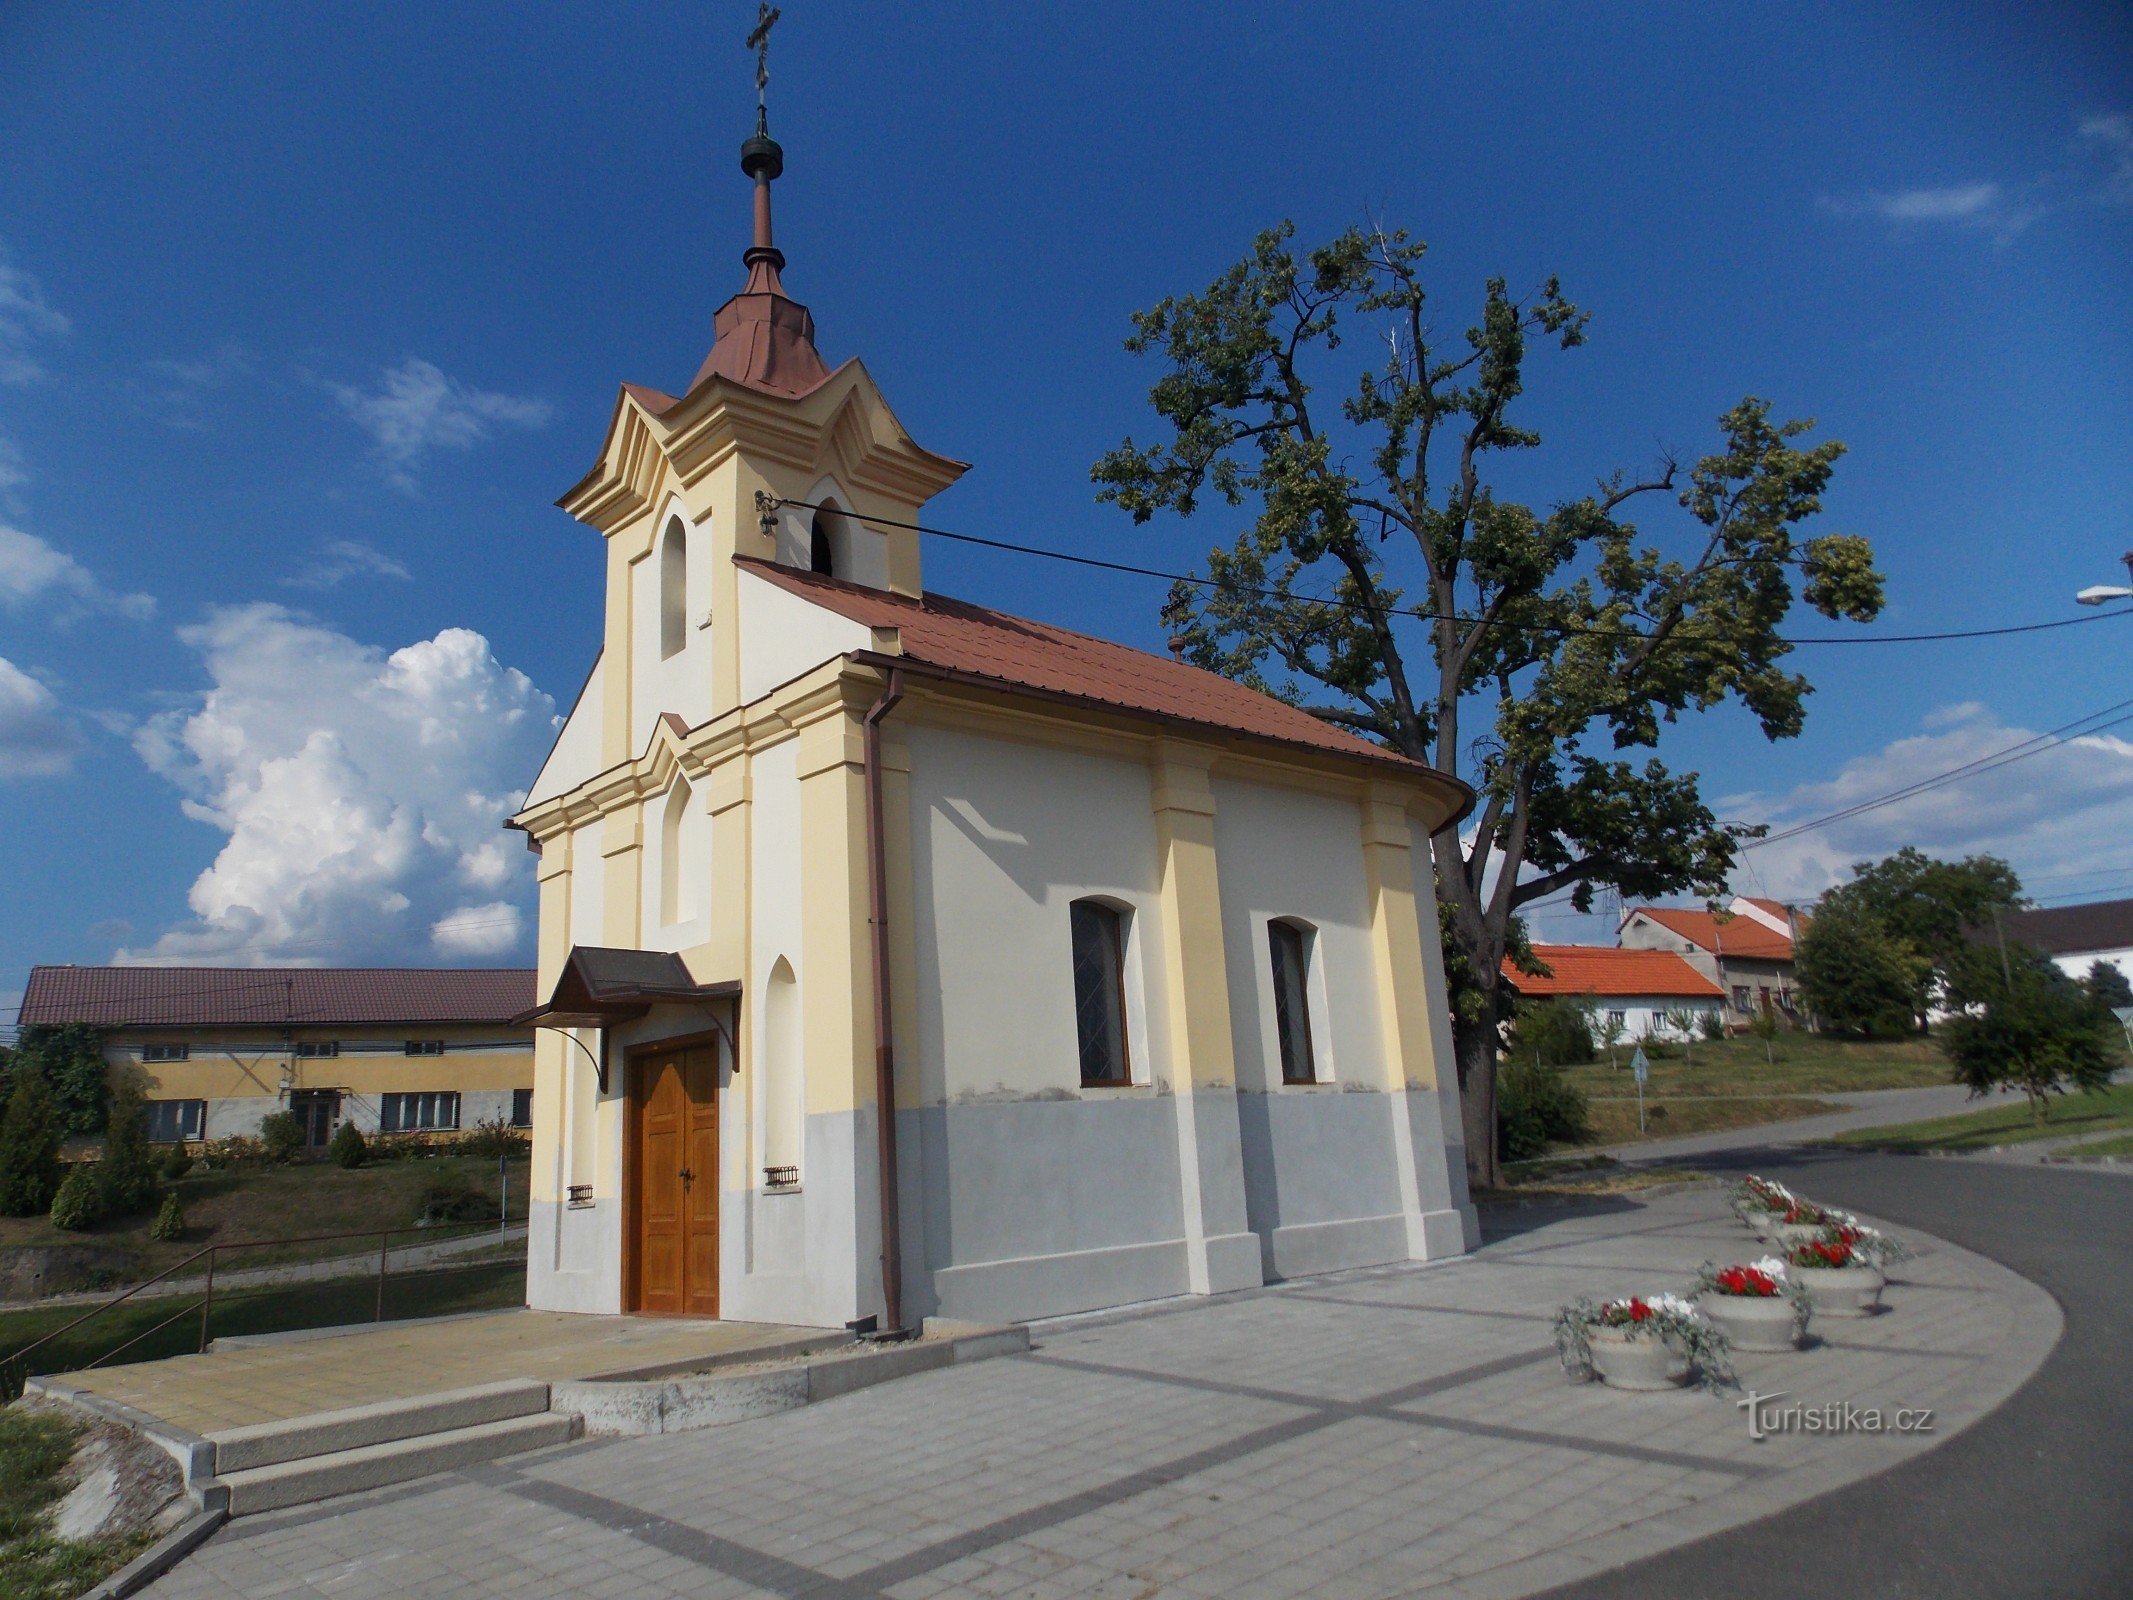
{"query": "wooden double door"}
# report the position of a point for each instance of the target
(674, 1109)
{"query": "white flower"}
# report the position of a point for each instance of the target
(1770, 1266)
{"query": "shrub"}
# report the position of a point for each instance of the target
(281, 1137)
(453, 1202)
(494, 1139)
(79, 1202)
(229, 1154)
(169, 1225)
(1713, 1026)
(1557, 1033)
(1537, 1106)
(128, 1170)
(2026, 1025)
(71, 1057)
(348, 1147)
(405, 1147)
(29, 1146)
(176, 1163)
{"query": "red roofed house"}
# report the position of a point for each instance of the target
(1641, 992)
(391, 1049)
(901, 957)
(1745, 949)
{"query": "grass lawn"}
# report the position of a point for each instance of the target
(484, 1286)
(2100, 1150)
(276, 1203)
(2007, 1124)
(34, 1447)
(1580, 1177)
(1614, 1120)
(1805, 1064)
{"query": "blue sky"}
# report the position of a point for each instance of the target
(307, 314)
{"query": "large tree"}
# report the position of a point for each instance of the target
(1395, 584)
(1925, 903)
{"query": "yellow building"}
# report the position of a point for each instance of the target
(390, 1049)
(1143, 964)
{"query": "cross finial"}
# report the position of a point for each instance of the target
(766, 18)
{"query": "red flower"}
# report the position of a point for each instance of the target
(1746, 1281)
(1639, 1311)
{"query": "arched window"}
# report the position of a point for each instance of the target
(673, 590)
(1290, 945)
(821, 554)
(1099, 931)
(783, 1089)
(677, 898)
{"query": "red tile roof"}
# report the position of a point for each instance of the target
(1602, 970)
(273, 996)
(1017, 653)
(1732, 936)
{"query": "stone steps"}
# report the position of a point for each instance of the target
(273, 1465)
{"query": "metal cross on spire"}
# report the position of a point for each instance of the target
(766, 18)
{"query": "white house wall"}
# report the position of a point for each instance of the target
(2077, 965)
(783, 635)
(575, 756)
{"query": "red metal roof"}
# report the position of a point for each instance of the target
(1601, 970)
(168, 997)
(1733, 936)
(1017, 653)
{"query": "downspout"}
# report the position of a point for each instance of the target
(892, 1264)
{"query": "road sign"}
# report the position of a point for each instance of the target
(1641, 1067)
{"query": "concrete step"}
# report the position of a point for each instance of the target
(324, 1433)
(294, 1483)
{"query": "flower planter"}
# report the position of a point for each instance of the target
(1757, 1222)
(1755, 1322)
(1625, 1358)
(1789, 1234)
(1843, 1291)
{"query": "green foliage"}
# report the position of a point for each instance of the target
(1857, 977)
(128, 1168)
(2108, 986)
(1712, 1025)
(176, 1163)
(29, 1146)
(1557, 1033)
(169, 1225)
(71, 1057)
(79, 1201)
(453, 1202)
(2025, 1024)
(1537, 1106)
(233, 1153)
(1388, 586)
(348, 1148)
(494, 1139)
(35, 1564)
(281, 1137)
(1925, 903)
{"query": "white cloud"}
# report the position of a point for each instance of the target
(2112, 139)
(25, 320)
(35, 740)
(360, 793)
(2004, 210)
(1964, 203)
(416, 409)
(342, 559)
(177, 393)
(489, 931)
(33, 572)
(2065, 812)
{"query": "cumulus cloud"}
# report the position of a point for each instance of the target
(2057, 815)
(35, 739)
(361, 794)
(341, 559)
(416, 409)
(25, 322)
(33, 572)
(2099, 173)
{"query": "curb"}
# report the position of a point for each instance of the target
(159, 1557)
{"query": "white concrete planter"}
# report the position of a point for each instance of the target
(1789, 1234)
(1755, 1322)
(1843, 1291)
(1623, 1359)
(1758, 1222)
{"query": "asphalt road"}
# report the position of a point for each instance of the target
(2036, 1499)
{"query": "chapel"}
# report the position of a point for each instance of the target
(899, 957)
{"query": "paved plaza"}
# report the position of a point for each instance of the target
(1372, 1434)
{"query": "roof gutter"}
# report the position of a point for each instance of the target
(892, 1262)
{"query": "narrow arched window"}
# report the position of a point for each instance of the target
(1100, 991)
(673, 590)
(821, 555)
(783, 1092)
(1290, 946)
(676, 899)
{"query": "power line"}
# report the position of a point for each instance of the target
(1567, 629)
(2035, 745)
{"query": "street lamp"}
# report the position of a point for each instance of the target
(2097, 593)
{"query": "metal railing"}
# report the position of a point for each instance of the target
(14, 1367)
